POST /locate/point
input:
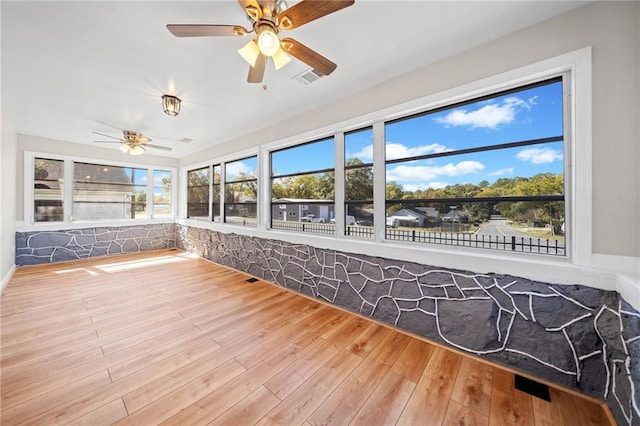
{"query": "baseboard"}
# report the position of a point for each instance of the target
(626, 273)
(626, 265)
(629, 289)
(6, 278)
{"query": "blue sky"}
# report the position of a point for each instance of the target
(141, 179)
(527, 114)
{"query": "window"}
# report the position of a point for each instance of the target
(358, 185)
(478, 169)
(95, 191)
(241, 191)
(48, 195)
(302, 187)
(108, 192)
(161, 193)
(198, 193)
(485, 173)
(217, 183)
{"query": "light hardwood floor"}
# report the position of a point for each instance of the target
(163, 337)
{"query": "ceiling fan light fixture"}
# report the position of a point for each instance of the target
(250, 52)
(125, 148)
(171, 105)
(268, 41)
(136, 150)
(280, 59)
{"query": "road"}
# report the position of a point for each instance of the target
(500, 236)
(498, 227)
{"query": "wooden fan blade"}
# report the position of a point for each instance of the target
(108, 136)
(309, 10)
(256, 73)
(164, 148)
(308, 56)
(186, 30)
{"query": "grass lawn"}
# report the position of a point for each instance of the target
(542, 233)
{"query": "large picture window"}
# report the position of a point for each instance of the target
(97, 191)
(241, 191)
(108, 192)
(303, 187)
(485, 173)
(198, 193)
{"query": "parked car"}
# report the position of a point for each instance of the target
(364, 222)
(312, 218)
(349, 220)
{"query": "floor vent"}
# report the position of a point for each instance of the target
(532, 387)
(252, 280)
(308, 77)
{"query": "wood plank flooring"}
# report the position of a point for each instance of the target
(166, 338)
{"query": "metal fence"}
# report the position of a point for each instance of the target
(495, 242)
(491, 242)
(316, 228)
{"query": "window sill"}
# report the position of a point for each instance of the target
(55, 226)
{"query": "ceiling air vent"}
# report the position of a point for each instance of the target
(308, 77)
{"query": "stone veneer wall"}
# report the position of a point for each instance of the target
(579, 337)
(37, 247)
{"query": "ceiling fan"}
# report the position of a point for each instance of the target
(133, 143)
(268, 17)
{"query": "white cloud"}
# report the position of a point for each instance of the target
(235, 168)
(157, 178)
(424, 185)
(397, 150)
(365, 154)
(427, 173)
(539, 155)
(489, 116)
(502, 172)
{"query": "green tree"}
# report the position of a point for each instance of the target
(245, 188)
(394, 191)
(358, 182)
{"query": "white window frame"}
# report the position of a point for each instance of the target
(69, 222)
(566, 80)
(223, 188)
(186, 191)
(338, 173)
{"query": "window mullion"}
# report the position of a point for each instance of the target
(264, 190)
(150, 192)
(210, 200)
(339, 179)
(223, 191)
(379, 181)
(68, 190)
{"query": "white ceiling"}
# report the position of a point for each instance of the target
(70, 68)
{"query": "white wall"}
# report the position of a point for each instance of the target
(50, 146)
(611, 28)
(8, 157)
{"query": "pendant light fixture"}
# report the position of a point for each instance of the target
(171, 104)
